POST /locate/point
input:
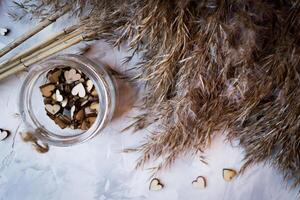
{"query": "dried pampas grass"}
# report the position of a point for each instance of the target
(208, 66)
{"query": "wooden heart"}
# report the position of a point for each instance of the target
(58, 96)
(64, 103)
(229, 174)
(73, 108)
(89, 85)
(4, 134)
(155, 185)
(3, 31)
(200, 182)
(79, 90)
(47, 90)
(95, 106)
(54, 76)
(52, 109)
(71, 76)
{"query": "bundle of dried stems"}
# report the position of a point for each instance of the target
(210, 66)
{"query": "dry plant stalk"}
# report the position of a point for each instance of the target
(35, 51)
(5, 65)
(208, 66)
(33, 31)
(65, 42)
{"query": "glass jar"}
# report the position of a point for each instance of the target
(32, 107)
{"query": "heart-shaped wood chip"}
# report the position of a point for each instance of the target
(52, 109)
(47, 90)
(79, 90)
(4, 134)
(4, 31)
(54, 76)
(94, 93)
(89, 85)
(64, 103)
(95, 106)
(200, 182)
(58, 96)
(73, 108)
(71, 76)
(79, 116)
(229, 174)
(155, 185)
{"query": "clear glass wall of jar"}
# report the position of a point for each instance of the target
(32, 108)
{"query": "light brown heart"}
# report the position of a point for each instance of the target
(78, 90)
(229, 174)
(4, 134)
(52, 109)
(155, 185)
(200, 182)
(72, 76)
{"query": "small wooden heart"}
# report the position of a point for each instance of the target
(229, 174)
(95, 106)
(71, 76)
(4, 134)
(73, 108)
(54, 76)
(52, 109)
(47, 90)
(58, 96)
(79, 90)
(64, 103)
(94, 93)
(89, 85)
(200, 182)
(3, 31)
(155, 185)
(79, 116)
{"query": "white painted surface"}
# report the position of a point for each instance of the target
(96, 170)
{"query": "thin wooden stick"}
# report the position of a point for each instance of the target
(36, 47)
(41, 48)
(33, 31)
(22, 66)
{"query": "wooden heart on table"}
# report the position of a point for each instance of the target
(4, 31)
(200, 182)
(229, 174)
(4, 134)
(155, 185)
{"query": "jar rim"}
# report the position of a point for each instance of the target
(104, 86)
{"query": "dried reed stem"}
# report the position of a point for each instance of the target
(44, 54)
(33, 31)
(36, 47)
(40, 48)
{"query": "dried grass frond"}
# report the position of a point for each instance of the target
(210, 65)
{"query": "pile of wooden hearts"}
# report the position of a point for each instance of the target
(70, 98)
